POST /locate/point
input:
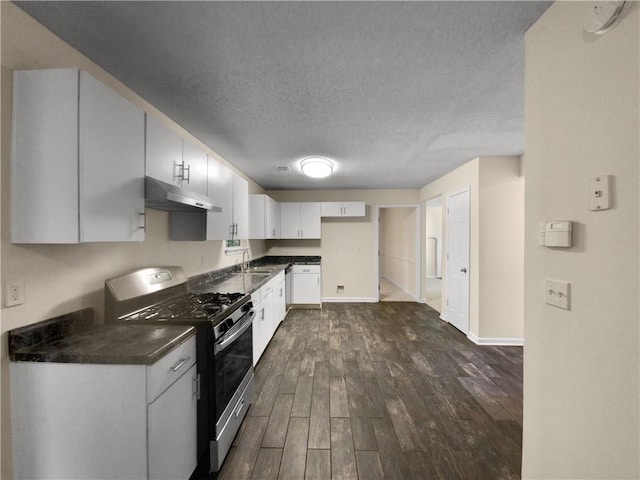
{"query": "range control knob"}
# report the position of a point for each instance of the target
(247, 306)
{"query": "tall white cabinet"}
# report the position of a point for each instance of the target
(77, 167)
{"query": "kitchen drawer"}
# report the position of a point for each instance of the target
(169, 368)
(306, 269)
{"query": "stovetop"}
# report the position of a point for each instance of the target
(192, 307)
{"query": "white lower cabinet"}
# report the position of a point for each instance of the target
(79, 421)
(307, 286)
(269, 305)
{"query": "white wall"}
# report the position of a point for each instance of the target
(581, 367)
(398, 247)
(348, 246)
(62, 278)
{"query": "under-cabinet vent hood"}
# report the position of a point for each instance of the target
(164, 196)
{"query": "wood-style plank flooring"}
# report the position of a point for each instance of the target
(386, 390)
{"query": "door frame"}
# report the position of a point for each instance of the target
(445, 309)
(418, 237)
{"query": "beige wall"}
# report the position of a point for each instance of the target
(466, 176)
(62, 278)
(433, 230)
(501, 262)
(348, 245)
(496, 282)
(581, 367)
(398, 262)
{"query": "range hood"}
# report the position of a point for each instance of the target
(164, 196)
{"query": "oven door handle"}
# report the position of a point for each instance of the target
(227, 341)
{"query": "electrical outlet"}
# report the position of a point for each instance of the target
(340, 289)
(13, 292)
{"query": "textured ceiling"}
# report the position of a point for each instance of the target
(398, 93)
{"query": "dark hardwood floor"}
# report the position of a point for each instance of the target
(384, 390)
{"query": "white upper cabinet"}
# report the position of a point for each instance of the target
(195, 165)
(231, 192)
(77, 167)
(174, 160)
(264, 217)
(343, 209)
(300, 220)
(240, 207)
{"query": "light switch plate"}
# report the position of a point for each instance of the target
(556, 293)
(598, 193)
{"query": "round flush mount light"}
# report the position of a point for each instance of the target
(316, 167)
(601, 15)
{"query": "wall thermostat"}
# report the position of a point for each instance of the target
(557, 234)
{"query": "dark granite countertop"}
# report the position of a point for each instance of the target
(74, 338)
(232, 279)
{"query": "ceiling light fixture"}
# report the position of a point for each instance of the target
(316, 167)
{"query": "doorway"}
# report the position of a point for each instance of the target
(457, 307)
(399, 264)
(433, 253)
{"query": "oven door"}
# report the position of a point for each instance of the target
(233, 359)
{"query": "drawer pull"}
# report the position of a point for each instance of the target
(239, 409)
(180, 363)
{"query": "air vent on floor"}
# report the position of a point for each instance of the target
(282, 169)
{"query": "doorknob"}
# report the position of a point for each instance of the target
(463, 270)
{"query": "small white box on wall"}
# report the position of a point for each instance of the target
(558, 234)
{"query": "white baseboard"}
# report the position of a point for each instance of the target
(505, 341)
(349, 299)
(443, 317)
(400, 287)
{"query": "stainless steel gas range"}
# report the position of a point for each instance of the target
(224, 346)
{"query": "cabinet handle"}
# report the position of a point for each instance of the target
(180, 363)
(231, 231)
(240, 405)
(180, 174)
(188, 170)
(195, 388)
(318, 281)
(144, 221)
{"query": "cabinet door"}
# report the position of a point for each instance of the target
(306, 288)
(259, 332)
(44, 157)
(353, 209)
(281, 303)
(164, 152)
(310, 220)
(241, 207)
(172, 425)
(111, 165)
(273, 218)
(290, 220)
(331, 209)
(195, 161)
(257, 216)
(221, 190)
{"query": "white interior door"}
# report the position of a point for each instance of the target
(458, 260)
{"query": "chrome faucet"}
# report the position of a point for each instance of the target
(245, 263)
